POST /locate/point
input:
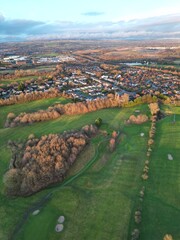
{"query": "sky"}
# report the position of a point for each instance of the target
(89, 19)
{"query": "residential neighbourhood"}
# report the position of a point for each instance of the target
(90, 82)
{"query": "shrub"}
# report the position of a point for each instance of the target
(31, 136)
(114, 134)
(147, 162)
(154, 108)
(135, 234)
(148, 154)
(150, 142)
(112, 144)
(145, 176)
(146, 169)
(137, 217)
(141, 193)
(98, 122)
(168, 237)
(12, 181)
(11, 116)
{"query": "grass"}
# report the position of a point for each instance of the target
(18, 80)
(100, 203)
(175, 65)
(47, 55)
(97, 205)
(29, 107)
(161, 213)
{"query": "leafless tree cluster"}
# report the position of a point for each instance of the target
(112, 141)
(28, 97)
(141, 118)
(68, 109)
(154, 108)
(40, 162)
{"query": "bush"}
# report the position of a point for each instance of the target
(98, 122)
(137, 217)
(154, 108)
(168, 237)
(11, 116)
(12, 181)
(114, 134)
(145, 176)
(148, 154)
(135, 234)
(112, 144)
(31, 136)
(150, 142)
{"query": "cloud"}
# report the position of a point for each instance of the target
(17, 26)
(1, 17)
(154, 27)
(93, 14)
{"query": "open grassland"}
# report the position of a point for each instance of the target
(102, 188)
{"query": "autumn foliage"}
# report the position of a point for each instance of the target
(141, 118)
(68, 109)
(40, 162)
(28, 97)
(112, 141)
(154, 108)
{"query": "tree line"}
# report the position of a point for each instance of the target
(68, 109)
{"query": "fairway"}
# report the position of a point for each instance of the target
(161, 206)
(100, 194)
(29, 107)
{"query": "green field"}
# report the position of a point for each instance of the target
(29, 107)
(100, 194)
(18, 80)
(37, 68)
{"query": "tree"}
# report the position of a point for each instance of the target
(98, 122)
(112, 144)
(12, 181)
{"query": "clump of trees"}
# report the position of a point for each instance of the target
(154, 108)
(37, 163)
(141, 118)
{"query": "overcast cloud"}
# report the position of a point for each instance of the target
(167, 26)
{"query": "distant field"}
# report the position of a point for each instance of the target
(47, 55)
(18, 80)
(23, 79)
(175, 65)
(100, 203)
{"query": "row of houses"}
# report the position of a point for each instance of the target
(87, 85)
